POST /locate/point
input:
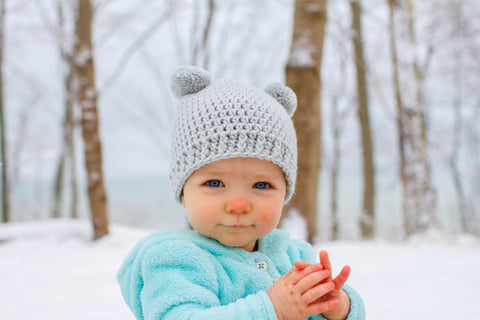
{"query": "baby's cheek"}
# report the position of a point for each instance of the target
(200, 215)
(271, 216)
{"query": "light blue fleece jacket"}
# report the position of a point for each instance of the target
(183, 275)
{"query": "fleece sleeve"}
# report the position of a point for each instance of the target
(181, 282)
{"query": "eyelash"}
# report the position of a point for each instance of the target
(217, 184)
(265, 184)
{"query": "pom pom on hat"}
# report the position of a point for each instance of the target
(189, 79)
(284, 95)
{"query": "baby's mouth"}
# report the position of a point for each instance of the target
(237, 226)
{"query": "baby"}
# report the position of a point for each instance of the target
(233, 167)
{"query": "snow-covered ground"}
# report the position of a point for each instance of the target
(51, 270)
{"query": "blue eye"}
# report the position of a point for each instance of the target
(261, 185)
(214, 183)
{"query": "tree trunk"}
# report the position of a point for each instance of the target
(335, 169)
(67, 154)
(303, 77)
(71, 155)
(338, 122)
(398, 94)
(87, 98)
(465, 216)
(3, 147)
(418, 194)
(58, 186)
(367, 220)
(69, 141)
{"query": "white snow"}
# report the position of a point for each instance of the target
(51, 270)
(302, 51)
(89, 116)
(83, 56)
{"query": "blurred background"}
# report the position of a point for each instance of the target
(387, 123)
(421, 76)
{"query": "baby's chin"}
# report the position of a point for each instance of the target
(246, 243)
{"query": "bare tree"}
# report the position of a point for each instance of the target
(3, 147)
(133, 47)
(465, 217)
(338, 123)
(340, 110)
(460, 32)
(200, 54)
(418, 193)
(87, 98)
(303, 76)
(396, 84)
(67, 157)
(367, 220)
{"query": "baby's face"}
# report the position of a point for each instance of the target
(235, 201)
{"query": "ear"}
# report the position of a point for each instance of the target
(284, 95)
(189, 79)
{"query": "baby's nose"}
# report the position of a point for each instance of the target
(238, 205)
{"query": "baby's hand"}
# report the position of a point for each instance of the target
(343, 307)
(341, 311)
(298, 294)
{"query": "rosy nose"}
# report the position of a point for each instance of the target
(237, 206)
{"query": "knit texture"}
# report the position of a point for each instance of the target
(223, 119)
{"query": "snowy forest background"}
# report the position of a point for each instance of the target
(137, 45)
(52, 265)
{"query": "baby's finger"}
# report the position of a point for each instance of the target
(324, 260)
(317, 292)
(342, 277)
(322, 307)
(300, 265)
(295, 275)
(312, 280)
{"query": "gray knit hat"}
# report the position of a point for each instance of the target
(224, 119)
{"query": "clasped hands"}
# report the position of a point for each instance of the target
(309, 289)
